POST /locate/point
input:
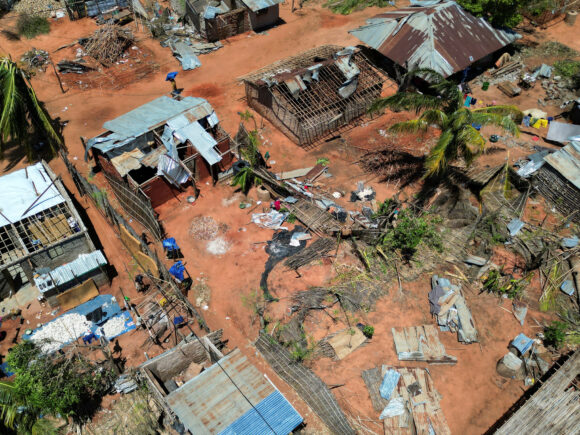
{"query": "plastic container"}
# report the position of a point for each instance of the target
(485, 86)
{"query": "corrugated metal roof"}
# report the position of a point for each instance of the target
(70, 271)
(210, 403)
(257, 5)
(442, 37)
(567, 162)
(155, 113)
(24, 188)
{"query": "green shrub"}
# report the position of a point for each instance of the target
(291, 218)
(567, 68)
(32, 25)
(494, 282)
(555, 334)
(346, 7)
(368, 331)
(410, 232)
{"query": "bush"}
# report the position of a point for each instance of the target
(32, 25)
(368, 331)
(410, 232)
(498, 12)
(555, 334)
(345, 7)
(494, 282)
(567, 68)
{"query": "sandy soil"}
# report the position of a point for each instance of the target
(473, 395)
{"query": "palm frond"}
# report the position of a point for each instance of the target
(412, 126)
(470, 143)
(11, 100)
(44, 427)
(406, 101)
(40, 118)
(460, 118)
(427, 74)
(435, 116)
(505, 122)
(437, 160)
(512, 111)
(8, 404)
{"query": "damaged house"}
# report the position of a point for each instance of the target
(209, 393)
(216, 20)
(43, 240)
(313, 94)
(440, 36)
(163, 146)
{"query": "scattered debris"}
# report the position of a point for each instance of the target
(218, 246)
(35, 59)
(205, 228)
(448, 304)
(346, 341)
(108, 44)
(272, 220)
(312, 252)
(69, 66)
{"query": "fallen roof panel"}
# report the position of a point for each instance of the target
(567, 162)
(442, 37)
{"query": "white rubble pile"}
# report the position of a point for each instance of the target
(114, 326)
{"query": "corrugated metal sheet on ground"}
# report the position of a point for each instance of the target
(561, 132)
(442, 37)
(67, 272)
(201, 140)
(186, 55)
(153, 114)
(96, 7)
(567, 162)
(257, 5)
(210, 402)
(21, 189)
(274, 409)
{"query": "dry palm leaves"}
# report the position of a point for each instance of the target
(108, 44)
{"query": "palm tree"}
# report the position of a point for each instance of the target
(21, 112)
(442, 106)
(19, 418)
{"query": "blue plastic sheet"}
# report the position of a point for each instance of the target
(170, 244)
(177, 270)
(389, 383)
(570, 242)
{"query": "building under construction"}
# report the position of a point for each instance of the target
(311, 95)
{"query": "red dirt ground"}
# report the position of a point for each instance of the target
(473, 395)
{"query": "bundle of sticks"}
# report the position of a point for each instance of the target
(108, 44)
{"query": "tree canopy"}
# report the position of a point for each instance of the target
(500, 13)
(55, 385)
(442, 107)
(23, 118)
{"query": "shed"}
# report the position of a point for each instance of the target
(39, 226)
(216, 20)
(559, 180)
(440, 36)
(162, 146)
(313, 94)
(233, 397)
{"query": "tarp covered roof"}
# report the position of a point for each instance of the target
(567, 162)
(24, 188)
(210, 403)
(442, 37)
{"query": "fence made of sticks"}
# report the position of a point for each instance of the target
(308, 386)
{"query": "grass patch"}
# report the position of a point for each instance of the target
(32, 25)
(567, 68)
(552, 49)
(346, 7)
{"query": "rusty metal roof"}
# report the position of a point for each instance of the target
(567, 162)
(234, 403)
(442, 37)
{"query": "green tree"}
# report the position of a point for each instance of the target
(442, 107)
(23, 118)
(54, 385)
(499, 13)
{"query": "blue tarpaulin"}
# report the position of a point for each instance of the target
(389, 383)
(570, 242)
(177, 270)
(515, 226)
(170, 244)
(129, 325)
(522, 343)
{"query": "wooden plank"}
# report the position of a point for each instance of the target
(401, 344)
(372, 379)
(469, 332)
(411, 335)
(444, 307)
(437, 348)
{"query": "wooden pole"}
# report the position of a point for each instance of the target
(57, 76)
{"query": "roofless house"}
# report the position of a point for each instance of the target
(163, 146)
(440, 36)
(313, 94)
